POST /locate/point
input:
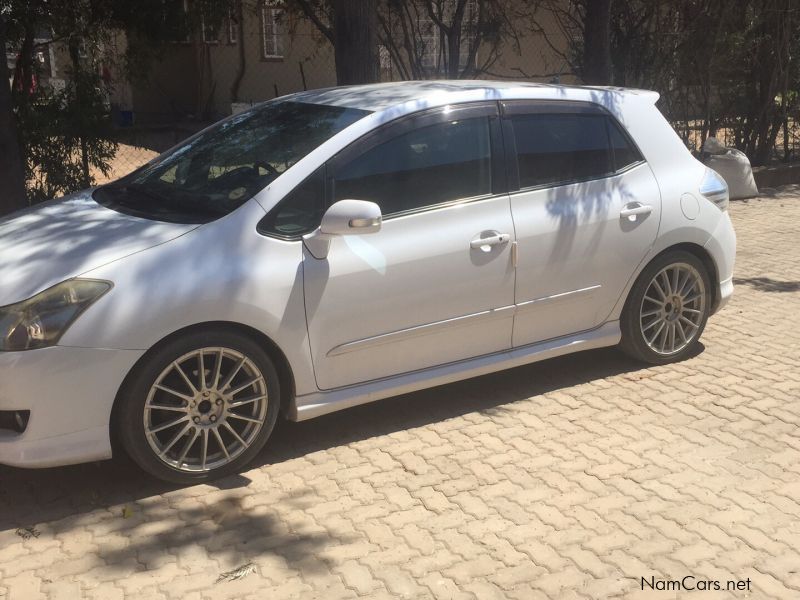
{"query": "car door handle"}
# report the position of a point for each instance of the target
(634, 209)
(486, 243)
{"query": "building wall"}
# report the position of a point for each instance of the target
(306, 63)
(170, 89)
(196, 78)
(538, 59)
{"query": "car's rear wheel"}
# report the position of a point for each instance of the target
(199, 407)
(667, 309)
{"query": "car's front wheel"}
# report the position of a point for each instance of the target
(199, 407)
(667, 309)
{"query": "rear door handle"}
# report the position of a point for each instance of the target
(486, 243)
(634, 209)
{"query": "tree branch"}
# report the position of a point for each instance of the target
(309, 11)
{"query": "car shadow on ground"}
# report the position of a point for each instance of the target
(767, 284)
(139, 524)
(46, 495)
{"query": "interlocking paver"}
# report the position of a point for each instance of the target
(572, 478)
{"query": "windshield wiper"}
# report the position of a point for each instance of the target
(163, 205)
(125, 188)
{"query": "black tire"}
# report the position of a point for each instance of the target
(634, 343)
(130, 412)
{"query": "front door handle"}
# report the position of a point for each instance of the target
(634, 209)
(493, 239)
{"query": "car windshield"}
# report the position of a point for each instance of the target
(221, 168)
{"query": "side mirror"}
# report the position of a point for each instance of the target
(345, 217)
(351, 217)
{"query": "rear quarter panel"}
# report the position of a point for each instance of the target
(686, 216)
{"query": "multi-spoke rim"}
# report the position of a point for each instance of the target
(205, 409)
(672, 309)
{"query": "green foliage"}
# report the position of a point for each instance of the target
(719, 66)
(66, 135)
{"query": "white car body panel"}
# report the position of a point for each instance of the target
(388, 313)
(249, 279)
(461, 297)
(44, 245)
(576, 253)
(321, 403)
(67, 391)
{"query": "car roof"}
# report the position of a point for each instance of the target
(408, 96)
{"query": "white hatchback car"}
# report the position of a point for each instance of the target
(339, 246)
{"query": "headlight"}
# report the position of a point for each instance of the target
(41, 321)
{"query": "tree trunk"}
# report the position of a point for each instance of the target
(77, 76)
(12, 172)
(242, 66)
(597, 43)
(355, 43)
(23, 73)
(769, 71)
(454, 41)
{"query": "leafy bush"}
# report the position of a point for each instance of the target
(66, 135)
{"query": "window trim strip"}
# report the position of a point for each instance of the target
(547, 186)
(444, 205)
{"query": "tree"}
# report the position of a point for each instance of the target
(351, 28)
(12, 172)
(428, 39)
(597, 43)
(724, 72)
(65, 134)
(238, 12)
(431, 39)
(355, 41)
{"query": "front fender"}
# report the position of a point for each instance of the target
(223, 271)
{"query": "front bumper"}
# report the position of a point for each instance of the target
(69, 393)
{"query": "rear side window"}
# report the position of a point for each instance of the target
(625, 153)
(427, 166)
(559, 148)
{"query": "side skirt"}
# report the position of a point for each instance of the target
(321, 403)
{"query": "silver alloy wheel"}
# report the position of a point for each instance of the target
(672, 309)
(205, 409)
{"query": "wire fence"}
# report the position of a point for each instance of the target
(694, 134)
(198, 82)
(227, 69)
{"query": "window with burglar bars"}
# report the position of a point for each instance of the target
(233, 27)
(272, 29)
(176, 21)
(210, 30)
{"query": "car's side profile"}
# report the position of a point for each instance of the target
(336, 247)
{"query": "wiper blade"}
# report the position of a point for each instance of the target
(172, 204)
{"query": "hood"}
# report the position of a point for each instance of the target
(61, 239)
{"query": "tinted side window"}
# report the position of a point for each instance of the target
(558, 148)
(300, 211)
(625, 153)
(430, 165)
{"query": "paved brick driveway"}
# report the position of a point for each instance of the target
(571, 478)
